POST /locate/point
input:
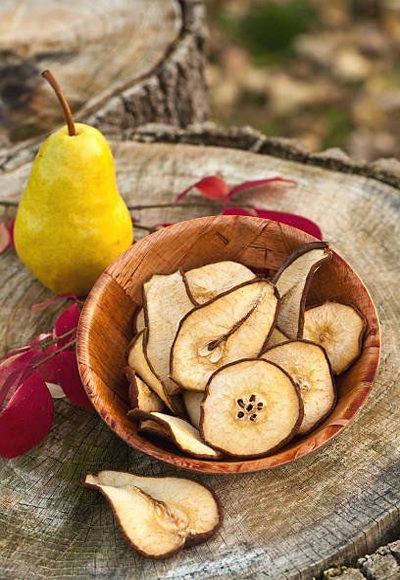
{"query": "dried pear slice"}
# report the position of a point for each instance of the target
(192, 401)
(233, 326)
(152, 527)
(292, 281)
(138, 362)
(307, 364)
(251, 408)
(150, 426)
(182, 433)
(277, 337)
(197, 501)
(166, 301)
(339, 329)
(209, 281)
(139, 321)
(140, 396)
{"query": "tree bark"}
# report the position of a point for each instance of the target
(328, 508)
(121, 63)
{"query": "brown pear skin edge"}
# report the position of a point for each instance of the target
(136, 324)
(147, 331)
(282, 443)
(168, 400)
(235, 327)
(48, 75)
(138, 415)
(135, 390)
(191, 540)
(198, 302)
(362, 333)
(289, 260)
(335, 393)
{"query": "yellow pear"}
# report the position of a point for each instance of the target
(71, 222)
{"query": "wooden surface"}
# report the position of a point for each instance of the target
(259, 244)
(292, 522)
(120, 63)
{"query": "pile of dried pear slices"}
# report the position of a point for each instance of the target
(224, 364)
(228, 364)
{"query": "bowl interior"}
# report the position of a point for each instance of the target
(106, 328)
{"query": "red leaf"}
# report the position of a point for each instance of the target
(50, 301)
(27, 418)
(65, 322)
(212, 187)
(291, 219)
(238, 211)
(161, 225)
(13, 370)
(49, 369)
(70, 381)
(258, 183)
(11, 232)
(4, 238)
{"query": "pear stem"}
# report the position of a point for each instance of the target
(48, 75)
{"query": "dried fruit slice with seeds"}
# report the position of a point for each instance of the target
(207, 282)
(307, 364)
(138, 362)
(140, 396)
(197, 501)
(233, 326)
(153, 528)
(181, 432)
(293, 280)
(166, 301)
(251, 408)
(192, 401)
(339, 329)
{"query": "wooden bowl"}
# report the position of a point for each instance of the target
(105, 327)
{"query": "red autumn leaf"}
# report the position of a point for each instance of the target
(66, 322)
(212, 187)
(27, 418)
(261, 183)
(4, 238)
(11, 232)
(291, 219)
(50, 301)
(49, 370)
(70, 381)
(13, 370)
(161, 225)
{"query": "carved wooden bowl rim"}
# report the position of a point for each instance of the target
(355, 384)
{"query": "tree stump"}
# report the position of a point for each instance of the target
(328, 508)
(121, 63)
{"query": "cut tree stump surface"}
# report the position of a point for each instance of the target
(326, 509)
(120, 62)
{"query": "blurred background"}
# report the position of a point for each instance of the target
(326, 72)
